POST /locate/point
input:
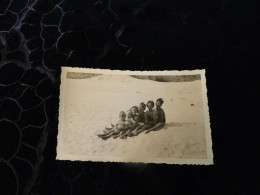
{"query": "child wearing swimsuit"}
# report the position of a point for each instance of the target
(149, 118)
(139, 122)
(120, 127)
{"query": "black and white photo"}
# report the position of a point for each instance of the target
(134, 116)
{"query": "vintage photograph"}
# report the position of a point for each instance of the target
(134, 116)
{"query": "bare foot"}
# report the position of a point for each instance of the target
(134, 132)
(116, 136)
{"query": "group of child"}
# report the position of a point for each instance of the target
(136, 121)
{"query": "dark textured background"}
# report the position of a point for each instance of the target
(37, 37)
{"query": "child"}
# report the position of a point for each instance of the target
(159, 116)
(139, 122)
(120, 127)
(130, 122)
(149, 118)
(134, 111)
(130, 119)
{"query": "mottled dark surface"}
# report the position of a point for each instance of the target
(37, 37)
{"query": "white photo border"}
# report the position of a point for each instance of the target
(62, 156)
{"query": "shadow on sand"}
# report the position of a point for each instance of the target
(172, 124)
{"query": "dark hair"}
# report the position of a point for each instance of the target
(160, 100)
(142, 105)
(122, 113)
(150, 102)
(134, 107)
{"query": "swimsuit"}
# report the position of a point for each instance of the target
(141, 118)
(130, 122)
(159, 115)
(150, 121)
(121, 124)
(150, 116)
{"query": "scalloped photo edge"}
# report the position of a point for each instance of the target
(88, 103)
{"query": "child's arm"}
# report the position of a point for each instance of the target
(155, 116)
(154, 119)
(132, 123)
(126, 126)
(122, 128)
(163, 118)
(145, 118)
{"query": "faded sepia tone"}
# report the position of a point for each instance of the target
(80, 75)
(91, 100)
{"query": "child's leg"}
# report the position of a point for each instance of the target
(140, 127)
(125, 134)
(129, 131)
(116, 135)
(103, 135)
(156, 127)
(133, 127)
(135, 132)
(122, 132)
(147, 126)
(106, 135)
(107, 131)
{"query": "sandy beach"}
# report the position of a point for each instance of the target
(89, 107)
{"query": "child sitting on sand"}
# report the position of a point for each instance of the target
(119, 128)
(129, 122)
(159, 116)
(139, 121)
(149, 118)
(134, 112)
(130, 119)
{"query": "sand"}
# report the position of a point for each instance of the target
(89, 106)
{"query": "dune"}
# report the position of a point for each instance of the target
(91, 104)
